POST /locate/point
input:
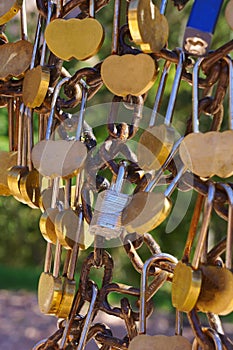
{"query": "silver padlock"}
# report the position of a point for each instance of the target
(106, 220)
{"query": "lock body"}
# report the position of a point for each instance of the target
(201, 25)
(106, 220)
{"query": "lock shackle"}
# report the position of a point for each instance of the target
(159, 173)
(213, 335)
(36, 41)
(195, 117)
(208, 206)
(75, 250)
(230, 91)
(143, 287)
(53, 106)
(170, 189)
(229, 241)
(89, 315)
(175, 87)
(49, 16)
(92, 8)
(117, 186)
(82, 109)
(160, 91)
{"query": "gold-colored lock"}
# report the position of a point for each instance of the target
(15, 59)
(217, 285)
(8, 9)
(36, 80)
(69, 283)
(63, 158)
(148, 209)
(50, 284)
(156, 342)
(140, 70)
(23, 180)
(208, 154)
(187, 278)
(20, 169)
(147, 24)
(156, 142)
(7, 161)
(47, 219)
(75, 38)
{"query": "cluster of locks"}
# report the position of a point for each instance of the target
(80, 185)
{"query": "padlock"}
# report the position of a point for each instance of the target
(36, 79)
(217, 285)
(29, 179)
(157, 141)
(15, 57)
(106, 219)
(201, 25)
(210, 153)
(229, 13)
(141, 72)
(50, 283)
(18, 171)
(148, 209)
(88, 317)
(69, 283)
(29, 182)
(78, 38)
(47, 219)
(46, 197)
(7, 161)
(147, 24)
(70, 229)
(214, 337)
(187, 278)
(63, 158)
(156, 342)
(8, 9)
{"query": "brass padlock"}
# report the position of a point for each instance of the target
(47, 219)
(148, 209)
(217, 285)
(7, 161)
(147, 24)
(156, 142)
(75, 38)
(69, 283)
(50, 283)
(187, 278)
(129, 74)
(63, 158)
(156, 342)
(36, 80)
(208, 154)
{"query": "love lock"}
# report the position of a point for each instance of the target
(156, 342)
(208, 154)
(63, 158)
(36, 80)
(156, 142)
(75, 38)
(187, 278)
(147, 24)
(148, 209)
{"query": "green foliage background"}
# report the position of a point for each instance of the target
(22, 248)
